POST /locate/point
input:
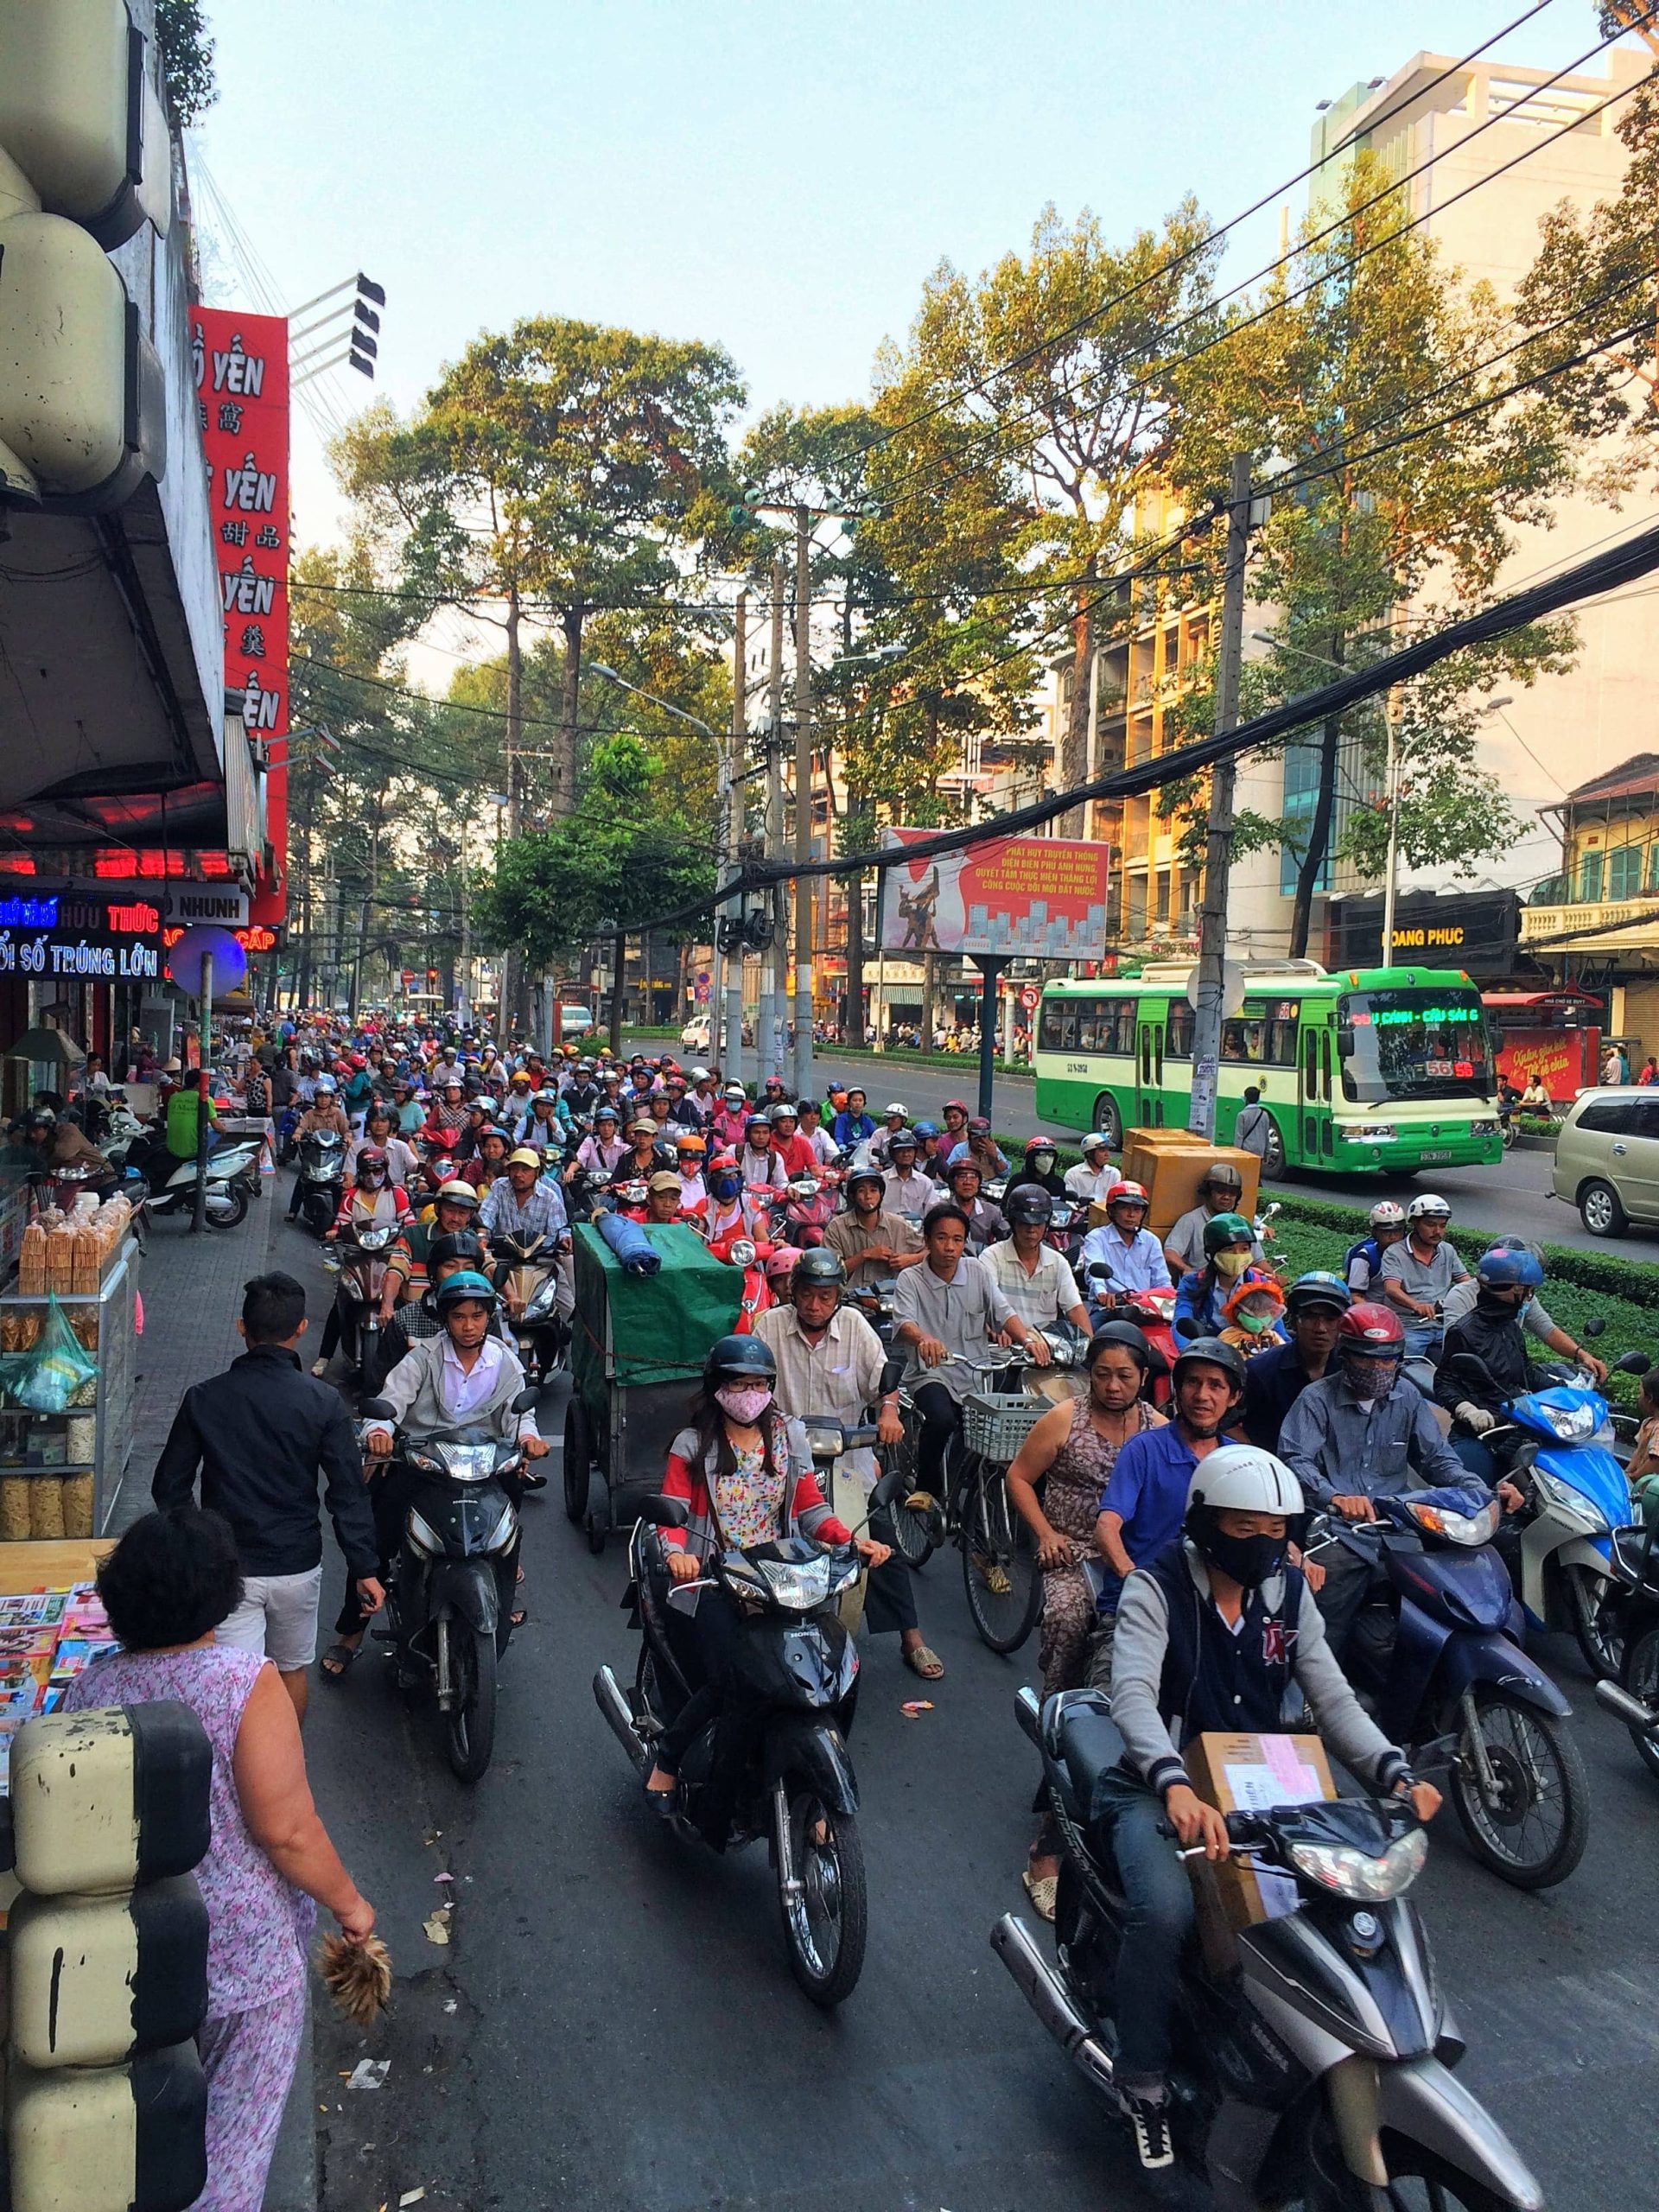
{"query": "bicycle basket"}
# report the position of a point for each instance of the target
(996, 1427)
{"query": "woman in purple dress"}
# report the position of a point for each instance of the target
(169, 1583)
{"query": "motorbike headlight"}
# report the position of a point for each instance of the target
(1572, 1504)
(1572, 1424)
(799, 1587)
(741, 1252)
(543, 1300)
(1353, 1874)
(372, 1239)
(422, 1536)
(1458, 1527)
(466, 1463)
(824, 1439)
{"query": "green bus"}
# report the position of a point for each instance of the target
(1373, 1068)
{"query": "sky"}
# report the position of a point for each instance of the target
(779, 176)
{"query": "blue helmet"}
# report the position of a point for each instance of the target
(927, 1128)
(1319, 1288)
(1500, 1269)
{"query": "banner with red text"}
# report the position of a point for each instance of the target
(1034, 897)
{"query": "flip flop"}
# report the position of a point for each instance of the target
(338, 1661)
(1042, 1891)
(925, 1663)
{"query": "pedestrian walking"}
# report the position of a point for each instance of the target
(261, 1433)
(1254, 1124)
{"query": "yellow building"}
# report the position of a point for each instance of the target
(1597, 921)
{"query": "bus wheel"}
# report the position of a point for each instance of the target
(1109, 1121)
(1272, 1155)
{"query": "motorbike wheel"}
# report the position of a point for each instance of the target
(1534, 1829)
(230, 1212)
(1419, 2181)
(578, 1459)
(825, 1926)
(999, 1565)
(472, 1724)
(918, 1533)
(1597, 1621)
(1642, 1680)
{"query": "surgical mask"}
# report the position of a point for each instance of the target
(1231, 1264)
(1255, 1322)
(744, 1404)
(1250, 1560)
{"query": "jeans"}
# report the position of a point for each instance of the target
(1422, 1339)
(939, 1417)
(1157, 1893)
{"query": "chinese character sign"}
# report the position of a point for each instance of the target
(241, 368)
(1041, 897)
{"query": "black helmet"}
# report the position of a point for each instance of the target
(456, 1244)
(1126, 1337)
(1209, 1351)
(1027, 1205)
(864, 1175)
(820, 1267)
(733, 1359)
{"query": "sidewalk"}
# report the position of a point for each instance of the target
(192, 1293)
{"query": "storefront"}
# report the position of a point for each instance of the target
(1479, 931)
(1555, 1035)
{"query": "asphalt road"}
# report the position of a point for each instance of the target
(612, 2021)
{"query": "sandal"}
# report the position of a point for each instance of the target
(993, 1574)
(517, 1619)
(1042, 1890)
(338, 1661)
(925, 1663)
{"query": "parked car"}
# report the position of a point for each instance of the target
(1607, 1159)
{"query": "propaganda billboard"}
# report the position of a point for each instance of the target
(242, 394)
(1036, 898)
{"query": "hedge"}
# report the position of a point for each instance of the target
(1634, 1280)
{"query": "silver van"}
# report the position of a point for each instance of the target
(1607, 1159)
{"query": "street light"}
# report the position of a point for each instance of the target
(598, 668)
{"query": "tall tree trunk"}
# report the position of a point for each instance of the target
(513, 965)
(1318, 837)
(1074, 748)
(563, 778)
(619, 978)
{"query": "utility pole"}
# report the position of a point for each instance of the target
(726, 1052)
(803, 1073)
(464, 995)
(1386, 960)
(1218, 856)
(770, 1056)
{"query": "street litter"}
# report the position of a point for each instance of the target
(914, 1706)
(368, 2073)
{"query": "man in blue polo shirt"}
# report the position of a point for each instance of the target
(1144, 1499)
(1276, 1378)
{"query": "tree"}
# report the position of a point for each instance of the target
(186, 60)
(1337, 376)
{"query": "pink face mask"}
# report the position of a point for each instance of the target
(745, 1405)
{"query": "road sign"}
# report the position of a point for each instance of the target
(700, 993)
(1232, 989)
(1029, 997)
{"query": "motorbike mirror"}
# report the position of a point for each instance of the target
(892, 1485)
(893, 1374)
(1187, 1326)
(1523, 1455)
(1596, 1326)
(525, 1402)
(665, 1512)
(1630, 1362)
(378, 1410)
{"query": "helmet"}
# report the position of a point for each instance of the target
(454, 1244)
(1502, 1270)
(1369, 1331)
(546, 1098)
(966, 1166)
(1221, 1175)
(774, 1083)
(737, 1359)
(757, 1121)
(523, 1157)
(1223, 1229)
(641, 1125)
(734, 1094)
(1386, 1213)
(602, 1113)
(901, 1140)
(955, 1106)
(1427, 1207)
(783, 1111)
(927, 1130)
(979, 1126)
(1125, 1337)
(455, 1193)
(1209, 1351)
(865, 1175)
(1127, 1194)
(1040, 1144)
(1317, 1287)
(689, 1140)
(699, 1075)
(1029, 1204)
(1097, 1140)
(819, 1268)
(467, 1285)
(1244, 1479)
(491, 1129)
(897, 1107)
(326, 1086)
(373, 1158)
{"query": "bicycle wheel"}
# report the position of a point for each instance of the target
(917, 1531)
(999, 1562)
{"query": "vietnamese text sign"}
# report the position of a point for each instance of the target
(1042, 897)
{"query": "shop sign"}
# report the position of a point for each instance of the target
(1478, 934)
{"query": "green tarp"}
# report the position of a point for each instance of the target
(632, 1330)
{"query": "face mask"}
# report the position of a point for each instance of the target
(725, 1187)
(1493, 1302)
(1249, 1559)
(1370, 1378)
(744, 1404)
(1231, 1264)
(1255, 1322)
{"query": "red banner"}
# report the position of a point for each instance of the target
(1041, 897)
(241, 364)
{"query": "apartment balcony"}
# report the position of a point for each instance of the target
(1606, 927)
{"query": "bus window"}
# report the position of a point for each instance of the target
(1419, 1041)
(1310, 1067)
(1325, 1054)
(1050, 1025)
(1178, 1030)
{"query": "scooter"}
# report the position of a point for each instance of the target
(322, 1172)
(1436, 1654)
(527, 1275)
(1634, 1698)
(233, 1172)
(811, 1208)
(1319, 2074)
(1153, 1311)
(774, 1761)
(450, 1603)
(1578, 1496)
(357, 1259)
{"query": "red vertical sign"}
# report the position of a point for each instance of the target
(241, 365)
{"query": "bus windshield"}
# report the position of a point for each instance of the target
(1423, 1042)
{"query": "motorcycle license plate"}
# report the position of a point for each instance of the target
(1432, 1154)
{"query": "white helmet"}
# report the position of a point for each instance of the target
(1097, 1140)
(897, 1107)
(1388, 1213)
(1428, 1207)
(1244, 1479)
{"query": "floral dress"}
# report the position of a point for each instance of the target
(1071, 1495)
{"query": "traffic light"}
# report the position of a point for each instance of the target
(85, 162)
(106, 2107)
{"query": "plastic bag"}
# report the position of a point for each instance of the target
(46, 1378)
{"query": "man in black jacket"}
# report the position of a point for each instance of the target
(260, 1433)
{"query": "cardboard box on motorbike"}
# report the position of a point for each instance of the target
(1242, 1774)
(1172, 1163)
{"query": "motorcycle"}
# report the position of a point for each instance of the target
(1435, 1653)
(357, 1260)
(811, 1208)
(874, 1302)
(527, 1275)
(1321, 2073)
(322, 1172)
(774, 1761)
(449, 1601)
(1634, 1698)
(233, 1175)
(1152, 1311)
(1068, 1224)
(1577, 1494)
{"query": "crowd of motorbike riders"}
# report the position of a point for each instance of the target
(1220, 1406)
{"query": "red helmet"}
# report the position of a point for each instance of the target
(1128, 1194)
(1371, 1331)
(359, 1061)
